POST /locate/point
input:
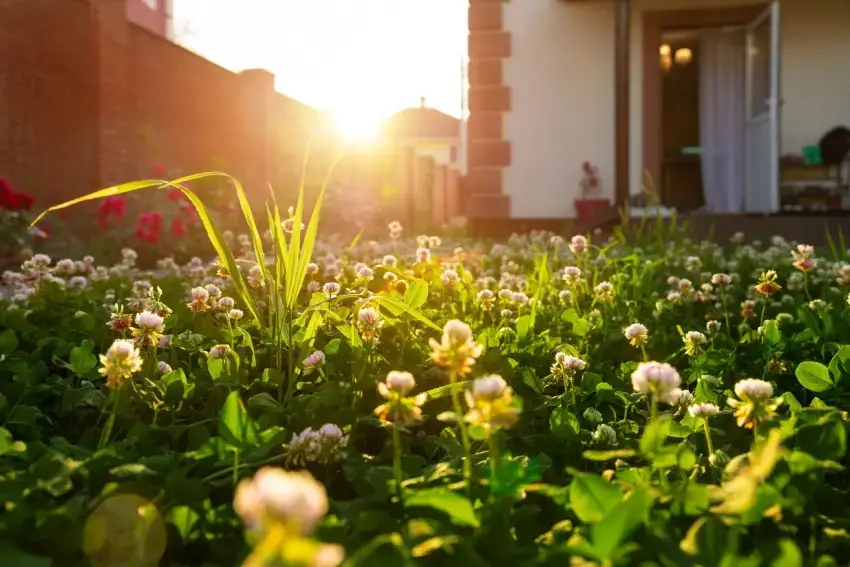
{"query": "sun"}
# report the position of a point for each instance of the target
(357, 126)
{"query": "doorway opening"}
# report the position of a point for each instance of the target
(711, 110)
(703, 118)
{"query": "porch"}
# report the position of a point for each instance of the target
(564, 57)
(790, 97)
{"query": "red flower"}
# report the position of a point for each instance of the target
(149, 227)
(178, 229)
(159, 170)
(114, 206)
(175, 194)
(13, 201)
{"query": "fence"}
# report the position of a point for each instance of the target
(88, 100)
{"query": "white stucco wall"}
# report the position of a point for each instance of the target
(561, 74)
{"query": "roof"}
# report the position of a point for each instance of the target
(422, 122)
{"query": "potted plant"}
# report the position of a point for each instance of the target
(589, 203)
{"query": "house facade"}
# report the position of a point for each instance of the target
(555, 83)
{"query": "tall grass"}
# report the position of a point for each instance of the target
(283, 277)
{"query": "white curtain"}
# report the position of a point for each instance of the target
(722, 119)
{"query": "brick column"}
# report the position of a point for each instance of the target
(489, 99)
(113, 95)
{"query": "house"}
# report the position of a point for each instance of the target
(428, 131)
(719, 98)
(153, 15)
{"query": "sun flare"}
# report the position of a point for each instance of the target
(357, 127)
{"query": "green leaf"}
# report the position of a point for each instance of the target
(581, 327)
(6, 441)
(607, 535)
(814, 376)
(569, 316)
(394, 305)
(83, 321)
(592, 498)
(457, 507)
(610, 455)
(771, 333)
(655, 435)
(11, 555)
(564, 424)
(416, 294)
(840, 364)
(184, 519)
(234, 424)
(8, 341)
(523, 326)
(82, 360)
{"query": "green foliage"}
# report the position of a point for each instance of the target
(593, 470)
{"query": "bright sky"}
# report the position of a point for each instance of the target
(357, 58)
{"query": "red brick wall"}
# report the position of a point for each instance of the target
(88, 99)
(46, 107)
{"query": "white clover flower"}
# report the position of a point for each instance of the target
(199, 294)
(397, 381)
(78, 282)
(150, 321)
(235, 314)
(331, 289)
(366, 273)
(571, 274)
(679, 397)
(693, 263)
(120, 362)
(565, 295)
(276, 495)
(605, 435)
(163, 367)
(324, 446)
(423, 255)
(703, 410)
(721, 279)
(213, 290)
(489, 387)
(313, 361)
(226, 303)
(656, 379)
(751, 388)
(218, 351)
(578, 244)
(389, 261)
(604, 291)
(449, 278)
(312, 268)
(519, 298)
(693, 342)
(637, 334)
(593, 415)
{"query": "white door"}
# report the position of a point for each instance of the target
(761, 193)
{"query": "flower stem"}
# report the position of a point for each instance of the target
(653, 407)
(464, 435)
(397, 473)
(110, 422)
(495, 456)
(725, 311)
(708, 437)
